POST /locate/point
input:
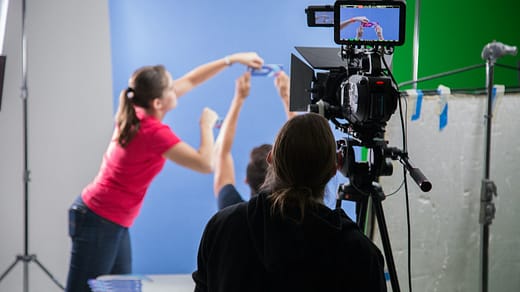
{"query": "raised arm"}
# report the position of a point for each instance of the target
(199, 160)
(204, 72)
(224, 166)
(282, 83)
(379, 32)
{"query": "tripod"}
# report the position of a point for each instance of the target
(26, 258)
(365, 201)
(368, 194)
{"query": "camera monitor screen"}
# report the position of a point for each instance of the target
(324, 17)
(320, 15)
(369, 23)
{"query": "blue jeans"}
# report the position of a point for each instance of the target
(99, 247)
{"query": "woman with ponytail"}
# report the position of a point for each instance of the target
(286, 239)
(100, 217)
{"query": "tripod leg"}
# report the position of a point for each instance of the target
(361, 214)
(9, 269)
(49, 274)
(364, 215)
(386, 244)
(368, 225)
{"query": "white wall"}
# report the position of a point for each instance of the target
(445, 221)
(69, 124)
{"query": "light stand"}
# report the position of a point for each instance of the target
(490, 54)
(26, 258)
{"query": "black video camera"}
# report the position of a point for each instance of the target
(351, 83)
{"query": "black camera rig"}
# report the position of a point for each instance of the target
(354, 89)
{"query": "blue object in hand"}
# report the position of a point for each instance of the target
(268, 70)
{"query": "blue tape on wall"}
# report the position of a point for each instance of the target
(443, 117)
(418, 105)
(444, 93)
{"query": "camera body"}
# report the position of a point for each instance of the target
(358, 93)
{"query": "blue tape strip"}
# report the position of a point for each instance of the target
(443, 117)
(493, 97)
(418, 105)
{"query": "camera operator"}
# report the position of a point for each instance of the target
(285, 238)
(224, 170)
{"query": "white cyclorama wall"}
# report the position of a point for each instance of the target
(69, 124)
(445, 221)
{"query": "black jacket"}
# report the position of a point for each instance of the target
(246, 248)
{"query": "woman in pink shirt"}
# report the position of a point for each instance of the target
(99, 219)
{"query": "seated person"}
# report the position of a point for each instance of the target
(285, 238)
(224, 170)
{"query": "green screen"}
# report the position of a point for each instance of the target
(452, 35)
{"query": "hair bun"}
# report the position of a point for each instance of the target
(130, 93)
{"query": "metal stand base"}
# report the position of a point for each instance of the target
(26, 259)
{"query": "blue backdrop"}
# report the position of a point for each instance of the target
(181, 35)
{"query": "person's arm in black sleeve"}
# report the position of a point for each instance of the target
(227, 196)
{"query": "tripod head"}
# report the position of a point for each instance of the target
(375, 161)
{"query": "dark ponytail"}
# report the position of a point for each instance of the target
(126, 118)
(303, 160)
(292, 201)
(147, 83)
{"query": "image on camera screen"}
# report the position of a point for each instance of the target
(369, 23)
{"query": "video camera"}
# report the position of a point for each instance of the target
(352, 84)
